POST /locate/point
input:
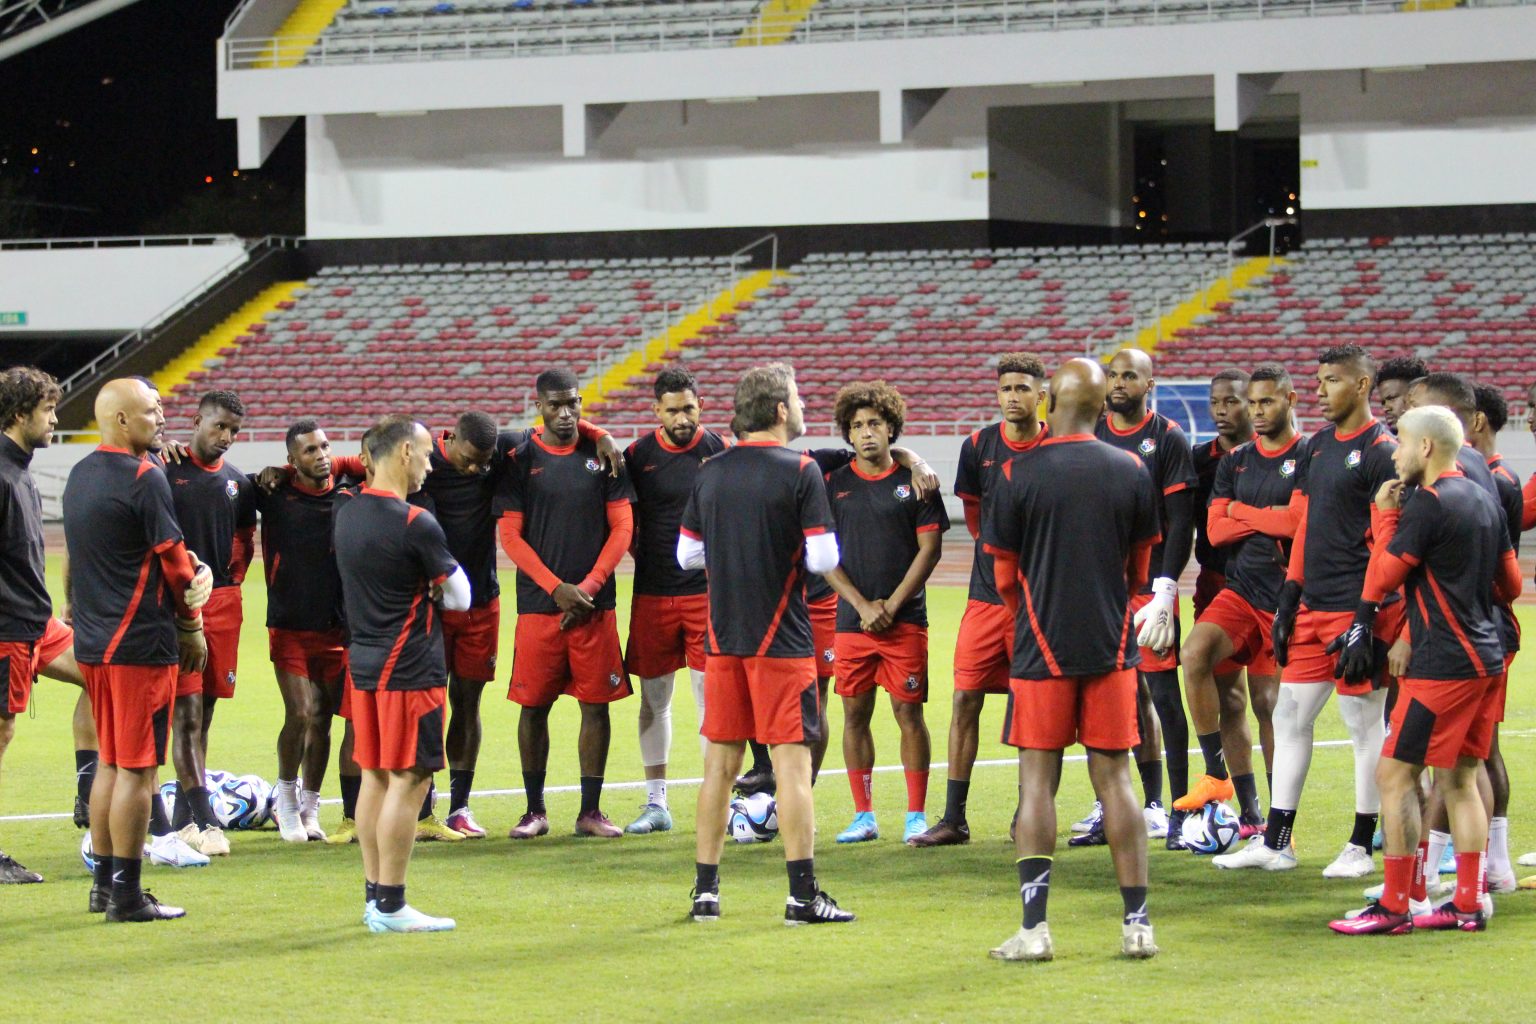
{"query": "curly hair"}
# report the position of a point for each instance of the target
(1020, 362)
(22, 390)
(1491, 403)
(872, 394)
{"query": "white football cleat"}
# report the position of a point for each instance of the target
(1136, 941)
(309, 816)
(1157, 820)
(1257, 855)
(172, 851)
(1088, 822)
(1502, 883)
(1527, 860)
(1026, 944)
(285, 811)
(1352, 862)
(211, 842)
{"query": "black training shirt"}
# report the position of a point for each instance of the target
(213, 502)
(24, 602)
(1253, 475)
(303, 589)
(663, 476)
(878, 519)
(1340, 477)
(981, 462)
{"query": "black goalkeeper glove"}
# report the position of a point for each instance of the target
(1356, 647)
(1285, 620)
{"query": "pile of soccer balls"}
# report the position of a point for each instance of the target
(753, 819)
(240, 802)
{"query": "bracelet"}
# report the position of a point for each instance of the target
(196, 627)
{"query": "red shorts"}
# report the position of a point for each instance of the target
(1051, 714)
(1248, 628)
(581, 662)
(1503, 695)
(771, 700)
(470, 639)
(1308, 660)
(981, 649)
(317, 655)
(1207, 585)
(222, 616)
(896, 660)
(1151, 661)
(666, 634)
(1436, 721)
(344, 705)
(21, 661)
(396, 730)
(824, 635)
(132, 708)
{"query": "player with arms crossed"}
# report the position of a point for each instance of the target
(1071, 530)
(758, 521)
(891, 541)
(393, 561)
(137, 592)
(1449, 548)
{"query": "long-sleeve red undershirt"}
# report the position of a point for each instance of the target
(177, 569)
(1387, 572)
(620, 528)
(241, 553)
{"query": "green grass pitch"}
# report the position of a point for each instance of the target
(577, 930)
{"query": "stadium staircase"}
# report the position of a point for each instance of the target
(300, 31)
(776, 21)
(1203, 301)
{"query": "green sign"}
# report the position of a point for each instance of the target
(13, 319)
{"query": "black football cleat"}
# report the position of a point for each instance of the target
(1175, 840)
(82, 813)
(12, 873)
(758, 780)
(706, 906)
(99, 899)
(145, 908)
(944, 833)
(821, 909)
(1093, 837)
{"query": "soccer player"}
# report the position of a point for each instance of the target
(891, 542)
(137, 591)
(216, 506)
(32, 641)
(1449, 548)
(1249, 519)
(981, 649)
(1130, 425)
(1071, 531)
(566, 523)
(1347, 462)
(669, 613)
(394, 565)
(1393, 379)
(758, 521)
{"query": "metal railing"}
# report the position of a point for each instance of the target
(821, 25)
(116, 242)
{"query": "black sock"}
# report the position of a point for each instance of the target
(370, 891)
(1034, 887)
(706, 877)
(1277, 834)
(101, 875)
(181, 816)
(1135, 899)
(1168, 704)
(1269, 783)
(125, 880)
(85, 773)
(761, 761)
(390, 898)
(956, 793)
(1247, 799)
(1215, 760)
(200, 805)
(460, 782)
(591, 792)
(1151, 773)
(350, 785)
(533, 782)
(1365, 831)
(802, 879)
(159, 824)
(426, 803)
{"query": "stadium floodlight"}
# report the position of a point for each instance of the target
(27, 23)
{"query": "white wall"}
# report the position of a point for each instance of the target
(105, 289)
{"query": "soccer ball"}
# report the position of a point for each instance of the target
(240, 802)
(87, 856)
(169, 791)
(268, 799)
(753, 819)
(1213, 830)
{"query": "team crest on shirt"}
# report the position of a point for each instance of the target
(1288, 467)
(828, 655)
(1147, 446)
(903, 492)
(593, 466)
(1352, 459)
(231, 488)
(229, 677)
(912, 684)
(614, 680)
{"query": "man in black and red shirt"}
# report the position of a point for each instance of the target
(758, 521)
(136, 590)
(1070, 529)
(891, 541)
(981, 649)
(216, 506)
(1249, 521)
(566, 523)
(1159, 442)
(1449, 548)
(669, 613)
(394, 563)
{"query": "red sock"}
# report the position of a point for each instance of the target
(862, 783)
(1399, 879)
(1420, 889)
(917, 791)
(1469, 881)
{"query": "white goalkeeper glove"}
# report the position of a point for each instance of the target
(1155, 620)
(201, 586)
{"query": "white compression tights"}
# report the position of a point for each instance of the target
(1295, 716)
(656, 716)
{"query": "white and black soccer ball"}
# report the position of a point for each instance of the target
(1213, 830)
(168, 793)
(87, 855)
(240, 802)
(266, 799)
(753, 819)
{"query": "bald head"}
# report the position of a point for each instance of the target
(129, 414)
(1129, 377)
(1076, 397)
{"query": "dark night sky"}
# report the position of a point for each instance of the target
(121, 112)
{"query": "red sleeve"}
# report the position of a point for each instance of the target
(972, 516)
(348, 465)
(1529, 492)
(1298, 510)
(1508, 584)
(590, 431)
(242, 552)
(1005, 574)
(621, 526)
(523, 555)
(1222, 527)
(1386, 571)
(1272, 522)
(177, 568)
(1138, 565)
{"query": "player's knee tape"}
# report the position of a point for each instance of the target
(1362, 717)
(655, 720)
(1296, 712)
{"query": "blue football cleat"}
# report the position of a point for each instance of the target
(861, 830)
(917, 824)
(406, 919)
(1448, 860)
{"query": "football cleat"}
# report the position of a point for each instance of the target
(432, 830)
(1175, 840)
(1378, 839)
(344, 835)
(1206, 790)
(917, 824)
(1447, 918)
(756, 781)
(82, 813)
(407, 919)
(370, 907)
(653, 818)
(945, 833)
(1352, 862)
(464, 823)
(1088, 822)
(1156, 819)
(172, 851)
(821, 909)
(210, 842)
(1093, 837)
(1026, 944)
(1528, 882)
(530, 825)
(1136, 941)
(1448, 860)
(1415, 907)
(596, 824)
(1257, 855)
(1247, 830)
(145, 908)
(1502, 883)
(861, 830)
(285, 811)
(1527, 860)
(311, 822)
(706, 906)
(1373, 919)
(12, 873)
(99, 898)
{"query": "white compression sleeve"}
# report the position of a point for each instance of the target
(696, 677)
(1296, 712)
(456, 596)
(690, 552)
(821, 553)
(1367, 731)
(655, 720)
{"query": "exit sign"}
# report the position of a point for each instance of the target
(13, 319)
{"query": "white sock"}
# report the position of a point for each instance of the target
(696, 677)
(1367, 732)
(1296, 713)
(656, 792)
(1438, 841)
(288, 795)
(309, 802)
(1498, 847)
(655, 720)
